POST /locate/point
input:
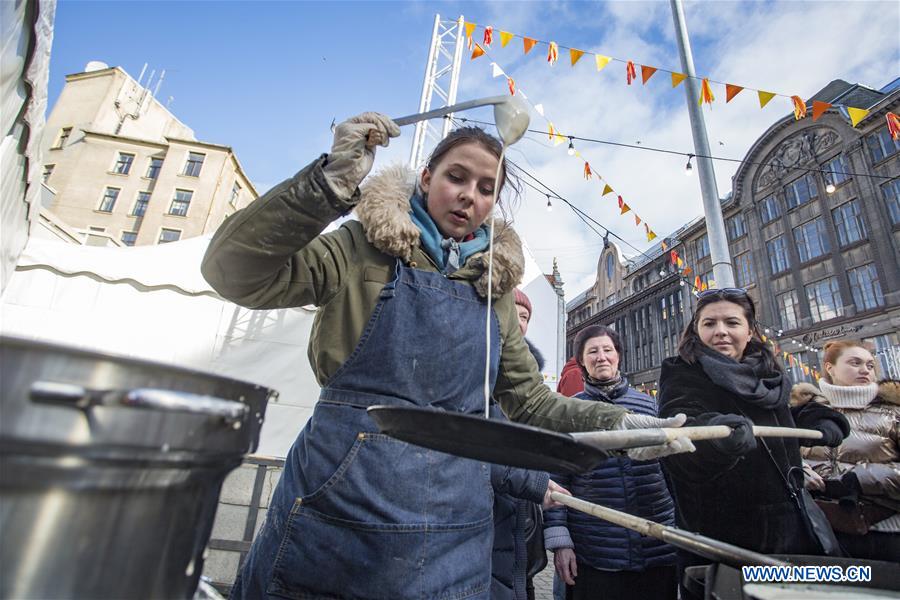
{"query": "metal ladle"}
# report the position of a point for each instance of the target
(510, 115)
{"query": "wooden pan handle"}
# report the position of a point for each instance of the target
(636, 438)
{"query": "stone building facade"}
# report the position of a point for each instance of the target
(813, 225)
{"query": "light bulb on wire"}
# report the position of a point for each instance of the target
(830, 188)
(571, 150)
(549, 204)
(688, 168)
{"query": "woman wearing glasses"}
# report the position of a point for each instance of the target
(740, 489)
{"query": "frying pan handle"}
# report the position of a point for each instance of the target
(446, 110)
(76, 396)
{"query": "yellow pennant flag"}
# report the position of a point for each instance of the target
(625, 208)
(706, 94)
(647, 73)
(505, 37)
(650, 235)
(528, 44)
(478, 51)
(856, 114)
(602, 61)
(764, 98)
(677, 78)
(664, 245)
(731, 91)
(606, 190)
(470, 27)
(558, 139)
(575, 55)
(819, 108)
(799, 107)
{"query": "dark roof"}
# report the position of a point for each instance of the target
(848, 94)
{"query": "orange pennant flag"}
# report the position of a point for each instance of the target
(625, 209)
(552, 53)
(731, 91)
(528, 43)
(637, 220)
(799, 107)
(893, 122)
(819, 108)
(512, 86)
(574, 55)
(505, 37)
(587, 170)
(552, 132)
(602, 61)
(687, 271)
(706, 94)
(647, 73)
(488, 35)
(697, 282)
(677, 78)
(805, 370)
(606, 190)
(704, 286)
(856, 115)
(764, 98)
(630, 75)
(478, 51)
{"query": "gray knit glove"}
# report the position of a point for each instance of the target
(676, 446)
(353, 151)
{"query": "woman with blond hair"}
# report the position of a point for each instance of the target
(859, 479)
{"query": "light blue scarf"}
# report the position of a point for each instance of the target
(447, 253)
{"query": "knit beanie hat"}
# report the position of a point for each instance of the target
(522, 300)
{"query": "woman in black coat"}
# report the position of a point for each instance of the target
(740, 489)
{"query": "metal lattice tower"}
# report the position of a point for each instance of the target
(442, 79)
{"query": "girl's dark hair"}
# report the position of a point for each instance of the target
(475, 135)
(689, 347)
(591, 332)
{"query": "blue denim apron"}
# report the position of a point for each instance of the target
(358, 514)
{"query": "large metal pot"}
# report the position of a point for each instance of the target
(110, 470)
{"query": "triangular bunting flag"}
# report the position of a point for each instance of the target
(553, 53)
(647, 73)
(650, 234)
(602, 61)
(587, 171)
(731, 91)
(799, 107)
(496, 71)
(539, 108)
(673, 257)
(478, 51)
(819, 108)
(505, 36)
(625, 209)
(764, 98)
(488, 35)
(606, 190)
(687, 271)
(574, 55)
(704, 286)
(558, 139)
(664, 245)
(511, 85)
(856, 114)
(893, 122)
(697, 282)
(470, 27)
(677, 78)
(637, 220)
(552, 132)
(680, 264)
(630, 75)
(528, 44)
(706, 95)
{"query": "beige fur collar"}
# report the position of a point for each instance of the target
(384, 214)
(889, 391)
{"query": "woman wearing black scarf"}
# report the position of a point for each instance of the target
(739, 489)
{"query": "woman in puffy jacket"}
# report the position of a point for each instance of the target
(595, 558)
(864, 471)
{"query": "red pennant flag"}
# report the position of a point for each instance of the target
(478, 51)
(512, 86)
(637, 220)
(587, 170)
(488, 35)
(528, 43)
(819, 108)
(553, 53)
(630, 75)
(893, 122)
(799, 107)
(621, 202)
(706, 94)
(647, 73)
(673, 256)
(731, 91)
(697, 282)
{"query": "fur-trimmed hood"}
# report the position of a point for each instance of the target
(384, 213)
(803, 392)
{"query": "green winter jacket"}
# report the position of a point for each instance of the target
(272, 254)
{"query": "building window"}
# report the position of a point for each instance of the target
(194, 164)
(129, 237)
(778, 256)
(824, 299)
(788, 310)
(235, 193)
(169, 235)
(800, 191)
(743, 269)
(849, 223)
(735, 226)
(769, 209)
(123, 163)
(881, 145)
(707, 281)
(891, 191)
(140, 205)
(63, 137)
(795, 367)
(154, 168)
(181, 202)
(109, 199)
(811, 239)
(48, 171)
(836, 171)
(702, 246)
(865, 288)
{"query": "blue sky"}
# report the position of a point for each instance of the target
(267, 78)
